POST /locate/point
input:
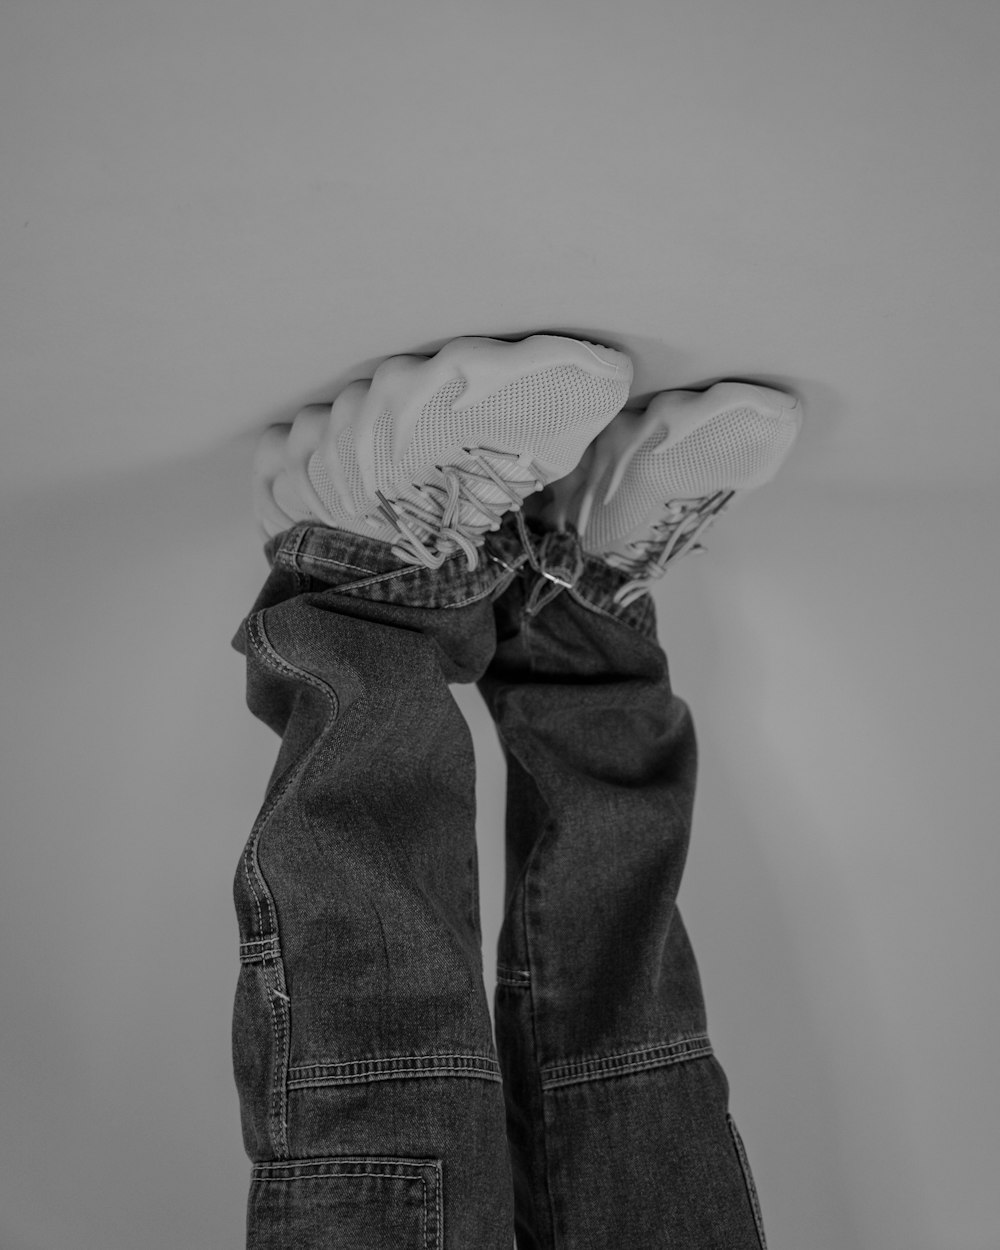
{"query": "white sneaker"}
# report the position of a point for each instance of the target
(430, 453)
(652, 482)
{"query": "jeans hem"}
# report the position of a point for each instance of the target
(363, 567)
(366, 567)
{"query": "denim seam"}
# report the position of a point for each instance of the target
(493, 588)
(270, 657)
(265, 651)
(292, 560)
(278, 1115)
(571, 1073)
(611, 616)
(272, 967)
(497, 588)
(748, 1180)
(371, 579)
(406, 1170)
(337, 1161)
(288, 555)
(549, 1187)
(257, 950)
(396, 1067)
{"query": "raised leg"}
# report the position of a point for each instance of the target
(617, 1109)
(370, 1092)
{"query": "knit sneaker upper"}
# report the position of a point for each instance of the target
(430, 453)
(653, 481)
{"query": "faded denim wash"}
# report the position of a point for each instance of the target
(378, 1110)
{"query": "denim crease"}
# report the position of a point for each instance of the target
(379, 1106)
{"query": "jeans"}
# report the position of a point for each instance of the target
(377, 1107)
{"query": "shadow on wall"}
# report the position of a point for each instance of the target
(761, 995)
(132, 774)
(844, 697)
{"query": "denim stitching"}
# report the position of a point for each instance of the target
(548, 1183)
(306, 543)
(397, 1067)
(312, 1176)
(258, 824)
(372, 578)
(280, 1165)
(268, 655)
(570, 1073)
(748, 1180)
(354, 588)
(281, 1030)
(251, 888)
(272, 969)
(268, 950)
(290, 558)
(475, 597)
(405, 1171)
(420, 1058)
(621, 619)
(399, 1074)
(499, 586)
(438, 1200)
(288, 549)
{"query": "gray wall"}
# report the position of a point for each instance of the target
(214, 211)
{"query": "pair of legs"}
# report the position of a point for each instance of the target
(378, 1108)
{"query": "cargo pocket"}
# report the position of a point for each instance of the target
(748, 1179)
(378, 1202)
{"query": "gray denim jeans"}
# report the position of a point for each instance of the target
(378, 1109)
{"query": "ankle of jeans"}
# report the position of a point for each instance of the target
(326, 558)
(557, 563)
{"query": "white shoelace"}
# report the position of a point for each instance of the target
(442, 512)
(675, 534)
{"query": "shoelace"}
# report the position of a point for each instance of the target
(672, 536)
(437, 510)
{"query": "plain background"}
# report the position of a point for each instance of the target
(213, 212)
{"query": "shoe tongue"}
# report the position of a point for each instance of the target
(431, 496)
(676, 533)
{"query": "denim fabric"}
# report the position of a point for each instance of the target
(378, 1109)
